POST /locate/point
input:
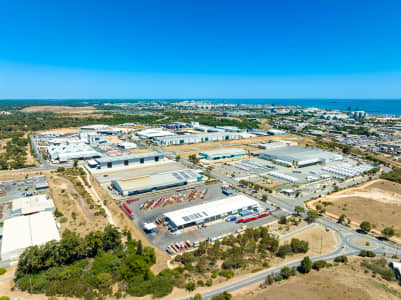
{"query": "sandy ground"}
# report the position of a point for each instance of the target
(378, 202)
(60, 130)
(268, 183)
(344, 282)
(231, 142)
(67, 200)
(59, 109)
(136, 151)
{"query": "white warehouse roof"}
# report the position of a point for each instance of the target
(28, 205)
(154, 132)
(22, 232)
(210, 209)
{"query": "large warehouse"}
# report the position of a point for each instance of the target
(197, 138)
(22, 232)
(69, 152)
(143, 184)
(222, 153)
(299, 156)
(129, 161)
(209, 211)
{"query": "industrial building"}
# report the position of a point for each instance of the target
(95, 127)
(156, 182)
(71, 151)
(275, 132)
(22, 232)
(128, 161)
(127, 145)
(152, 133)
(197, 138)
(209, 211)
(299, 156)
(30, 205)
(222, 153)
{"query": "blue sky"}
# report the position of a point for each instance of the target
(200, 49)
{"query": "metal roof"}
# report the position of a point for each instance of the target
(24, 231)
(301, 154)
(128, 157)
(210, 209)
(224, 152)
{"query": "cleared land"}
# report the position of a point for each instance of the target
(342, 282)
(186, 154)
(59, 109)
(378, 202)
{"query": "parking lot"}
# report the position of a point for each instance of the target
(22, 187)
(163, 237)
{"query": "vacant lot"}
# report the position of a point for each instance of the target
(378, 202)
(344, 282)
(58, 109)
(186, 154)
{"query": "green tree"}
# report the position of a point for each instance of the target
(365, 226)
(388, 232)
(223, 296)
(177, 158)
(139, 249)
(269, 279)
(341, 219)
(306, 265)
(311, 216)
(75, 162)
(284, 250)
(299, 210)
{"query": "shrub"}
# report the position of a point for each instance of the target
(341, 259)
(190, 286)
(299, 246)
(269, 279)
(320, 264)
(209, 282)
(284, 250)
(2, 271)
(306, 265)
(367, 253)
(379, 266)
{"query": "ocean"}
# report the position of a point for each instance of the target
(371, 106)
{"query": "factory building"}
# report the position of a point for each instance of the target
(128, 161)
(210, 211)
(153, 133)
(222, 153)
(299, 156)
(71, 151)
(275, 132)
(95, 127)
(30, 205)
(22, 232)
(197, 138)
(149, 183)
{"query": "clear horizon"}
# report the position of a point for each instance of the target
(183, 49)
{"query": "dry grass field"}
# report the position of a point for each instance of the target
(378, 202)
(59, 109)
(344, 282)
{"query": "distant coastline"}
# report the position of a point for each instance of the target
(371, 106)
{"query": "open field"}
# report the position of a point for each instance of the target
(59, 109)
(137, 151)
(186, 154)
(320, 242)
(378, 202)
(347, 281)
(269, 183)
(232, 142)
(77, 213)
